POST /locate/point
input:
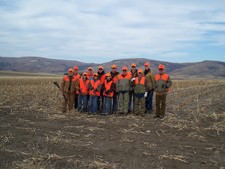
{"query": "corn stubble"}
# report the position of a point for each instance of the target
(191, 135)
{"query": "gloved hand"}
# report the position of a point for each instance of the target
(132, 79)
(107, 92)
(79, 90)
(92, 88)
(95, 90)
(146, 94)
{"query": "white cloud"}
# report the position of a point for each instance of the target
(110, 29)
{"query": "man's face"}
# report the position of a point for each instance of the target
(113, 70)
(100, 70)
(95, 77)
(161, 71)
(89, 71)
(84, 76)
(146, 67)
(70, 73)
(75, 70)
(133, 68)
(139, 74)
(108, 78)
(124, 72)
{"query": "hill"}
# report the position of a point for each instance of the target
(210, 69)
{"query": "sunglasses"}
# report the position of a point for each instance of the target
(124, 70)
(100, 69)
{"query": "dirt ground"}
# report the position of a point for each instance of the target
(34, 133)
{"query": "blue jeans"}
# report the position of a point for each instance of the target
(107, 105)
(148, 101)
(93, 104)
(115, 102)
(82, 102)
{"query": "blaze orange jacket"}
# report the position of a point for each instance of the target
(95, 87)
(83, 86)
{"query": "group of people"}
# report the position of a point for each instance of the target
(130, 91)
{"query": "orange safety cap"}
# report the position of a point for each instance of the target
(147, 64)
(95, 74)
(108, 75)
(90, 68)
(113, 66)
(70, 70)
(161, 66)
(75, 67)
(140, 71)
(124, 68)
(100, 67)
(84, 74)
(133, 65)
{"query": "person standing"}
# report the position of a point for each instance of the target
(89, 73)
(147, 68)
(114, 75)
(162, 86)
(140, 93)
(94, 93)
(134, 73)
(151, 83)
(108, 91)
(123, 87)
(82, 93)
(77, 77)
(68, 89)
(101, 77)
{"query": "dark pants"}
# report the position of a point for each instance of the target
(93, 104)
(115, 102)
(100, 103)
(148, 101)
(75, 101)
(131, 101)
(160, 104)
(107, 105)
(82, 103)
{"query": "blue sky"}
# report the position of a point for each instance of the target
(104, 30)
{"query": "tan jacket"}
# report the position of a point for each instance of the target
(150, 77)
(65, 84)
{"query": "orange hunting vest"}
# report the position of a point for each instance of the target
(83, 86)
(107, 87)
(142, 81)
(128, 76)
(67, 79)
(164, 77)
(95, 86)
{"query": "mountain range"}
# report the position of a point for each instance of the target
(204, 69)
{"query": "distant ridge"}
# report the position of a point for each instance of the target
(211, 69)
